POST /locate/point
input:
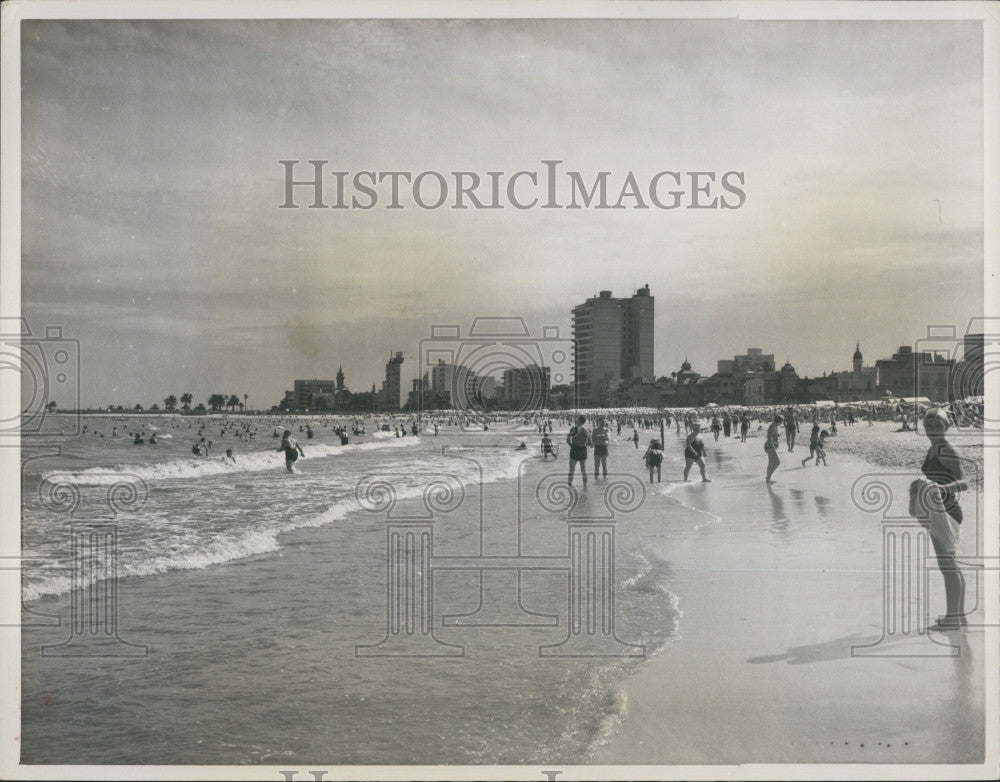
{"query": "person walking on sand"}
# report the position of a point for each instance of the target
(771, 441)
(821, 448)
(653, 459)
(578, 439)
(292, 450)
(694, 452)
(635, 438)
(744, 427)
(600, 439)
(716, 426)
(943, 480)
(813, 445)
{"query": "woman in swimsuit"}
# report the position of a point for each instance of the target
(694, 452)
(771, 447)
(942, 469)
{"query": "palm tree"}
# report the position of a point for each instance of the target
(217, 401)
(245, 398)
(232, 402)
(186, 400)
(170, 403)
(138, 408)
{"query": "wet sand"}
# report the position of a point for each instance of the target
(776, 591)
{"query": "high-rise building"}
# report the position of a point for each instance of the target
(613, 341)
(392, 396)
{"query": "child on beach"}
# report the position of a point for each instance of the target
(653, 459)
(821, 448)
(813, 445)
(229, 456)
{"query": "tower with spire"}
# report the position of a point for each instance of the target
(340, 378)
(857, 358)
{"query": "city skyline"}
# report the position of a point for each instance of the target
(866, 362)
(152, 229)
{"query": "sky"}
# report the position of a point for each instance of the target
(151, 227)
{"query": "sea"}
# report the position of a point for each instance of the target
(433, 599)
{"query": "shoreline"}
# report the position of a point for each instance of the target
(774, 589)
(763, 670)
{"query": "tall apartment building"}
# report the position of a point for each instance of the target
(613, 341)
(392, 396)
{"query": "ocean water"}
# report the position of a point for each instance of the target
(251, 603)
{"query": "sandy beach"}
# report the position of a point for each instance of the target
(775, 595)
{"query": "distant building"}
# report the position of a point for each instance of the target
(526, 388)
(391, 396)
(318, 395)
(613, 341)
(689, 393)
(860, 384)
(967, 376)
(305, 390)
(754, 360)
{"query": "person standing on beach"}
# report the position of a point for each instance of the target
(791, 429)
(578, 439)
(716, 427)
(600, 439)
(635, 438)
(771, 447)
(292, 450)
(942, 469)
(694, 452)
(744, 427)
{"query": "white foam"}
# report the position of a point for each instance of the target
(204, 466)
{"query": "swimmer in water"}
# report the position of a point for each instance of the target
(229, 456)
(292, 450)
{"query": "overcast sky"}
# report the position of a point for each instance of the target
(152, 233)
